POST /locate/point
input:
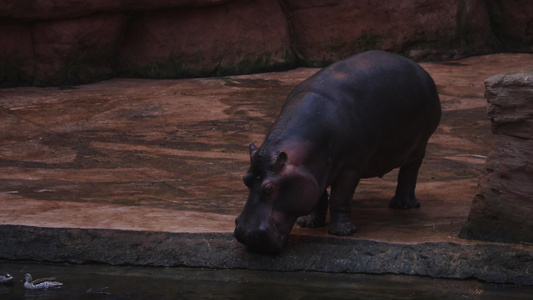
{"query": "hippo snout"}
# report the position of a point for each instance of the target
(264, 239)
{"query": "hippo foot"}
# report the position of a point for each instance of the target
(404, 203)
(342, 229)
(311, 221)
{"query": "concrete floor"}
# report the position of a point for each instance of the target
(168, 155)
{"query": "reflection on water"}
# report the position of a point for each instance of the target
(126, 282)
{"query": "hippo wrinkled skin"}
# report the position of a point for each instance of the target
(358, 118)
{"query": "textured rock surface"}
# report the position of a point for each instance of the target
(70, 42)
(502, 209)
(512, 24)
(64, 9)
(240, 37)
(76, 50)
(303, 253)
(331, 30)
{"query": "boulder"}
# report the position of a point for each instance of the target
(63, 9)
(502, 209)
(17, 61)
(326, 30)
(235, 38)
(76, 50)
(512, 23)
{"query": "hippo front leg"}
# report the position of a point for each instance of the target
(317, 217)
(404, 197)
(342, 191)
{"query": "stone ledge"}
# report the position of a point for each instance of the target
(491, 262)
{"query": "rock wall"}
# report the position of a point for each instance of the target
(502, 209)
(76, 41)
(326, 31)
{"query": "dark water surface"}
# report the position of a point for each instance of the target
(126, 282)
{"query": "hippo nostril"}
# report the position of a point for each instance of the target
(263, 228)
(240, 236)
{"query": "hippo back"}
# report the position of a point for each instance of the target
(374, 102)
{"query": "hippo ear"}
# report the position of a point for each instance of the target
(281, 160)
(253, 149)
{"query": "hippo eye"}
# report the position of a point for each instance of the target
(268, 189)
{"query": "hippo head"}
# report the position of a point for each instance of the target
(280, 190)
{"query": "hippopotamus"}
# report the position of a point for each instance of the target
(357, 118)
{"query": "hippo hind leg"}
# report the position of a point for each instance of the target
(317, 217)
(404, 198)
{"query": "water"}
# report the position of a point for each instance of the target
(126, 282)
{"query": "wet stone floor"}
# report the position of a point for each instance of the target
(169, 155)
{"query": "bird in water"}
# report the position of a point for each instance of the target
(6, 278)
(38, 284)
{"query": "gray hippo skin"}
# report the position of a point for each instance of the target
(358, 118)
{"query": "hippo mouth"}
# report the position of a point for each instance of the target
(265, 239)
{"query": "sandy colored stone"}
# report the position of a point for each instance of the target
(503, 206)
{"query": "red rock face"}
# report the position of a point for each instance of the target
(16, 54)
(502, 209)
(70, 42)
(512, 23)
(76, 50)
(236, 38)
(330, 30)
(67, 9)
